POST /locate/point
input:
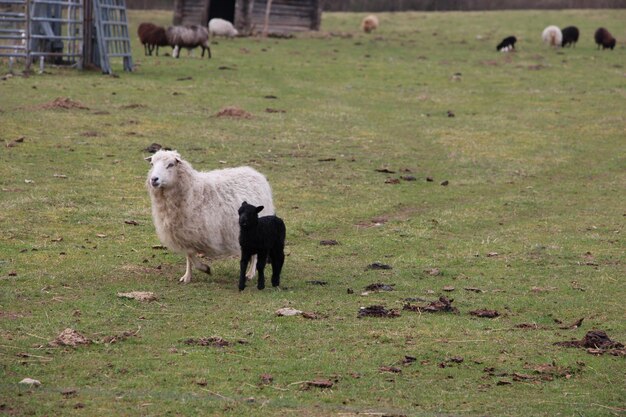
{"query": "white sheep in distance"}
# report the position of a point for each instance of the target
(552, 36)
(196, 212)
(369, 23)
(221, 27)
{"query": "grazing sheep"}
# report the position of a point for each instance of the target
(221, 27)
(189, 37)
(262, 236)
(507, 44)
(570, 36)
(604, 38)
(552, 36)
(196, 212)
(369, 23)
(151, 37)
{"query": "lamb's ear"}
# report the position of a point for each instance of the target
(258, 209)
(149, 159)
(178, 161)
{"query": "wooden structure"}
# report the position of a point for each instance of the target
(65, 32)
(249, 16)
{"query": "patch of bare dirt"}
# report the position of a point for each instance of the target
(490, 314)
(65, 103)
(442, 305)
(9, 315)
(15, 142)
(120, 336)
(573, 326)
(318, 383)
(597, 342)
(138, 295)
(234, 112)
(380, 287)
(70, 337)
(270, 110)
(377, 311)
(214, 341)
(329, 242)
(133, 106)
(378, 266)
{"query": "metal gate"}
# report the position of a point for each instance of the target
(65, 32)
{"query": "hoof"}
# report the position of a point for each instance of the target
(184, 280)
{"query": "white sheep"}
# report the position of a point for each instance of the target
(369, 23)
(196, 212)
(552, 36)
(221, 27)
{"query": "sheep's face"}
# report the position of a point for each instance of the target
(249, 215)
(164, 169)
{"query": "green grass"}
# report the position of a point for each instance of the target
(534, 156)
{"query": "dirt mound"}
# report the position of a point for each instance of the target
(234, 112)
(442, 305)
(214, 341)
(63, 103)
(485, 313)
(596, 342)
(70, 337)
(377, 311)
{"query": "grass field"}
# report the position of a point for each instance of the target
(532, 217)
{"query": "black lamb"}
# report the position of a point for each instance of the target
(570, 36)
(263, 236)
(507, 44)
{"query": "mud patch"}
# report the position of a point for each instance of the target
(442, 305)
(69, 337)
(64, 103)
(377, 311)
(329, 242)
(233, 112)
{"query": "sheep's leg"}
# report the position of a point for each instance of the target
(186, 279)
(199, 265)
(260, 266)
(251, 272)
(242, 271)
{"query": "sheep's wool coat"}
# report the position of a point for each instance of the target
(196, 212)
(552, 36)
(221, 27)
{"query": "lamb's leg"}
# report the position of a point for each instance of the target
(278, 259)
(199, 265)
(251, 267)
(185, 279)
(260, 266)
(242, 271)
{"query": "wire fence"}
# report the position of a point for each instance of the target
(425, 5)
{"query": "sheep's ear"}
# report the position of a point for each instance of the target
(149, 159)
(258, 209)
(178, 161)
